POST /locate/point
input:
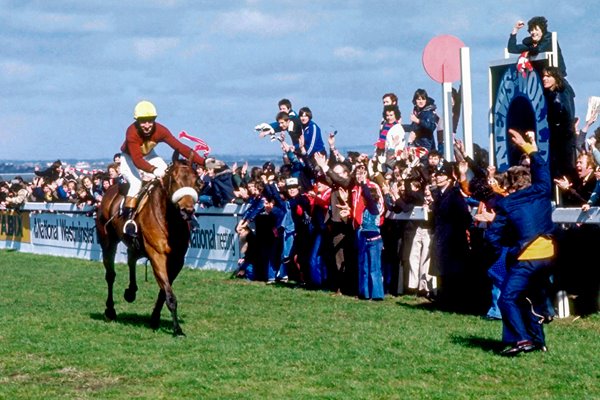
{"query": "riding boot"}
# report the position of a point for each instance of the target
(130, 227)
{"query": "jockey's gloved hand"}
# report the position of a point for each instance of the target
(159, 172)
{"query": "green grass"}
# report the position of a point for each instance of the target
(252, 341)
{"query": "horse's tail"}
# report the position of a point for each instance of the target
(106, 212)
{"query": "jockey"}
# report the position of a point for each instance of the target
(138, 155)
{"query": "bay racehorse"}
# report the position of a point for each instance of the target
(163, 217)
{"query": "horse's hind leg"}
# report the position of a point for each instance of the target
(130, 292)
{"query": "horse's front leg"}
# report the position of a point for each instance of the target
(155, 318)
(159, 266)
(171, 301)
(166, 295)
(130, 292)
(108, 258)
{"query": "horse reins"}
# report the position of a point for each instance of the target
(181, 192)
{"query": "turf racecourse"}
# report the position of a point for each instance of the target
(252, 341)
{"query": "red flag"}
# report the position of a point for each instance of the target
(202, 145)
(523, 64)
(418, 152)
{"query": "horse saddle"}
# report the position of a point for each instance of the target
(140, 199)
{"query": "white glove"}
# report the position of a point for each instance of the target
(159, 172)
(267, 131)
(263, 127)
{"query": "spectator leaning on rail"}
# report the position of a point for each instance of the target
(538, 41)
(4, 194)
(218, 184)
(18, 193)
(54, 172)
(138, 155)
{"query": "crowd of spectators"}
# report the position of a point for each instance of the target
(59, 183)
(328, 220)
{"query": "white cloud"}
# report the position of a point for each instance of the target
(375, 55)
(195, 48)
(97, 25)
(349, 53)
(246, 21)
(258, 23)
(288, 77)
(149, 48)
(53, 22)
(16, 70)
(167, 3)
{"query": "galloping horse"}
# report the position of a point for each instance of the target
(162, 218)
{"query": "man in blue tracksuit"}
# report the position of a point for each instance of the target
(523, 223)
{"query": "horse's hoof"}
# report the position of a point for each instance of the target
(154, 324)
(178, 333)
(129, 295)
(110, 314)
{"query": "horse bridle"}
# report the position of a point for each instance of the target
(182, 191)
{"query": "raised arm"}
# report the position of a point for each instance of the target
(540, 173)
(513, 47)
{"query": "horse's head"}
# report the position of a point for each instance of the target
(180, 182)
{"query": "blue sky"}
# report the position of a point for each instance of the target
(72, 71)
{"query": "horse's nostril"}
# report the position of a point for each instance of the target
(187, 212)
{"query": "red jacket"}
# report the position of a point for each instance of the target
(138, 146)
(359, 204)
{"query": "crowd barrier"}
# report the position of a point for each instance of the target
(61, 229)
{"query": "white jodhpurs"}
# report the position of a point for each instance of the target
(134, 176)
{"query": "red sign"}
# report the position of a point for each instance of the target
(441, 58)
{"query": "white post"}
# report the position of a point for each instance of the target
(467, 103)
(554, 60)
(490, 119)
(448, 139)
(562, 304)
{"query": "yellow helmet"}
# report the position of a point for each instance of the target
(144, 109)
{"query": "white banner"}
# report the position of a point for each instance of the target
(71, 235)
(215, 244)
